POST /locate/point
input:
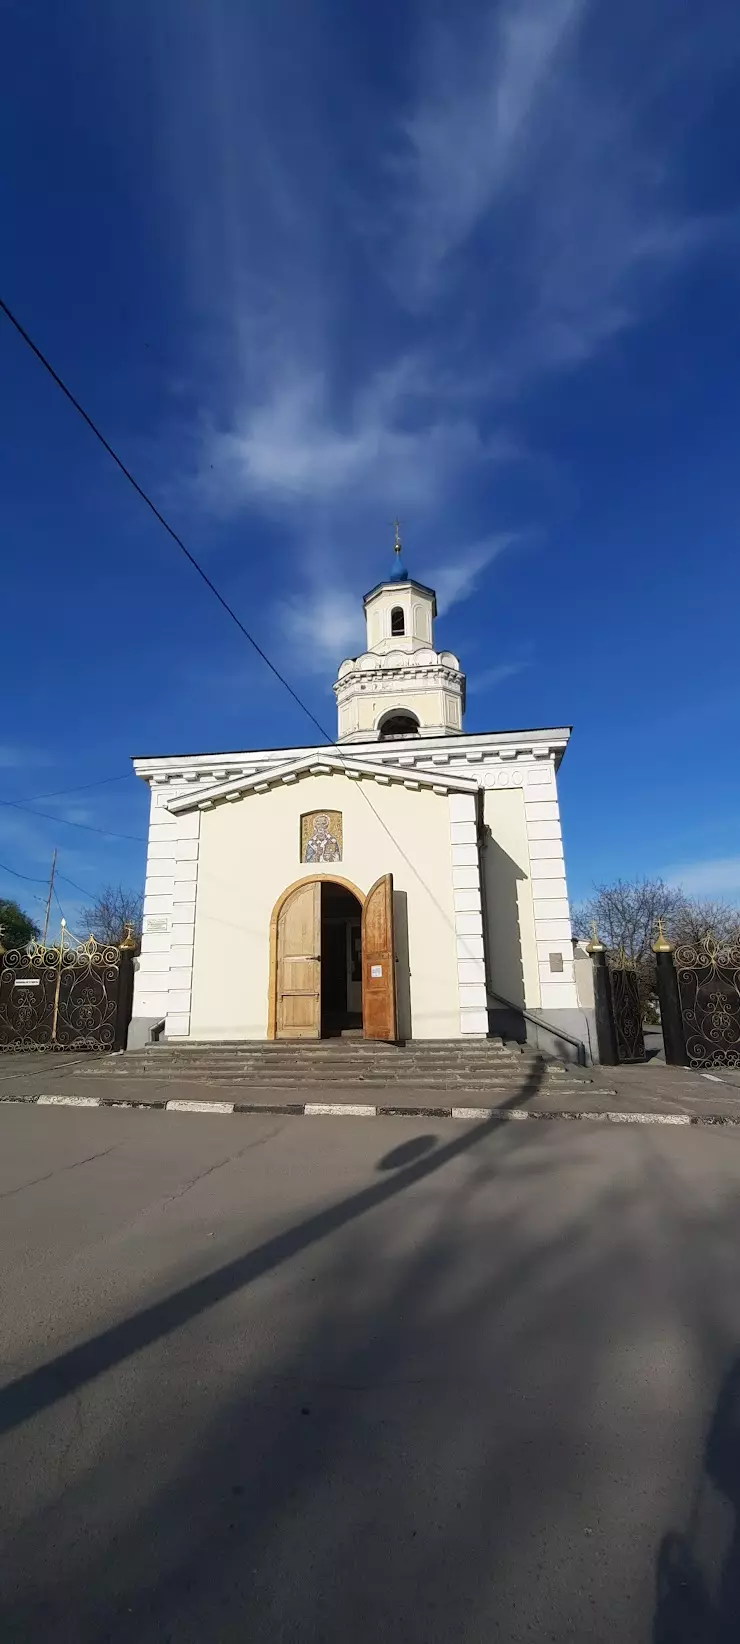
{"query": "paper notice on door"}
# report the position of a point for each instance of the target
(376, 970)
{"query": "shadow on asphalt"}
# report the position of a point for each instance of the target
(698, 1580)
(27, 1395)
(407, 1153)
(363, 1483)
(417, 1461)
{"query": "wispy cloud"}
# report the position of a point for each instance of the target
(322, 628)
(713, 877)
(16, 757)
(379, 282)
(524, 154)
(480, 90)
(288, 449)
(489, 678)
(456, 579)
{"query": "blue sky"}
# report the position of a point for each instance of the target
(311, 267)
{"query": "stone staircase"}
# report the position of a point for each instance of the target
(485, 1066)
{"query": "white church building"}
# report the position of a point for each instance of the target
(407, 881)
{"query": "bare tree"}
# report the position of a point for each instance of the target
(115, 908)
(696, 919)
(626, 917)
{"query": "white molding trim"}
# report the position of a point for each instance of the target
(330, 765)
(471, 970)
(488, 745)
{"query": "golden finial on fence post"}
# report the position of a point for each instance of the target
(129, 940)
(661, 943)
(595, 945)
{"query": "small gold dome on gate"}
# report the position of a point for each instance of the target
(595, 945)
(661, 943)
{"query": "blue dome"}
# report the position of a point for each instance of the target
(399, 573)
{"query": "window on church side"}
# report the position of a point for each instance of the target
(397, 623)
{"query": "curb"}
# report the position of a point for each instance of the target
(361, 1110)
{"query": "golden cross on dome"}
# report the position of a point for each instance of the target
(397, 540)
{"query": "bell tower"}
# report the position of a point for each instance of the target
(400, 686)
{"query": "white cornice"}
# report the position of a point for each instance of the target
(477, 747)
(312, 765)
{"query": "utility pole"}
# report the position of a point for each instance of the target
(49, 897)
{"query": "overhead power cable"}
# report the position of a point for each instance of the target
(59, 793)
(110, 833)
(30, 877)
(67, 881)
(156, 511)
(171, 532)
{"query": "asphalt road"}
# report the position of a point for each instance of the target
(312, 1381)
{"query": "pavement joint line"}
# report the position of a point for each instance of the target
(361, 1110)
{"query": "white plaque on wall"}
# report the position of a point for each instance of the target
(156, 924)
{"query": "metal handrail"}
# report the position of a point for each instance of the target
(539, 1021)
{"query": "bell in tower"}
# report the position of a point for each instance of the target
(400, 686)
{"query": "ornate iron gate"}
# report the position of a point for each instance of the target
(708, 979)
(627, 1012)
(66, 998)
(617, 1005)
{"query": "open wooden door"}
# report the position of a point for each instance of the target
(298, 1014)
(379, 1017)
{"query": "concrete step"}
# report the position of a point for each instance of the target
(483, 1068)
(483, 1095)
(329, 1047)
(291, 1059)
(257, 1072)
(318, 1064)
(337, 1047)
(462, 1081)
(298, 1053)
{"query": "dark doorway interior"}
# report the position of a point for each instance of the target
(341, 961)
(401, 724)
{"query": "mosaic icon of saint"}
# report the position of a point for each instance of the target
(322, 846)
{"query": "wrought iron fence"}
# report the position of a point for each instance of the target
(617, 1005)
(58, 998)
(708, 980)
(627, 1011)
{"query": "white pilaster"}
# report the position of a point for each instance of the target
(549, 888)
(163, 983)
(471, 970)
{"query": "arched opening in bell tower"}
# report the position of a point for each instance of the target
(398, 723)
(398, 622)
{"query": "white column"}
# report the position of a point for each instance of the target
(549, 887)
(165, 974)
(466, 890)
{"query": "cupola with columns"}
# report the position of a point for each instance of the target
(400, 686)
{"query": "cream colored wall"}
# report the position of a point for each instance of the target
(427, 705)
(249, 853)
(512, 947)
(417, 610)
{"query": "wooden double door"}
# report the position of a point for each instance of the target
(297, 962)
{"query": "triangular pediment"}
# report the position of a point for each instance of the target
(312, 764)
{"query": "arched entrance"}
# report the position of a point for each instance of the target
(332, 965)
